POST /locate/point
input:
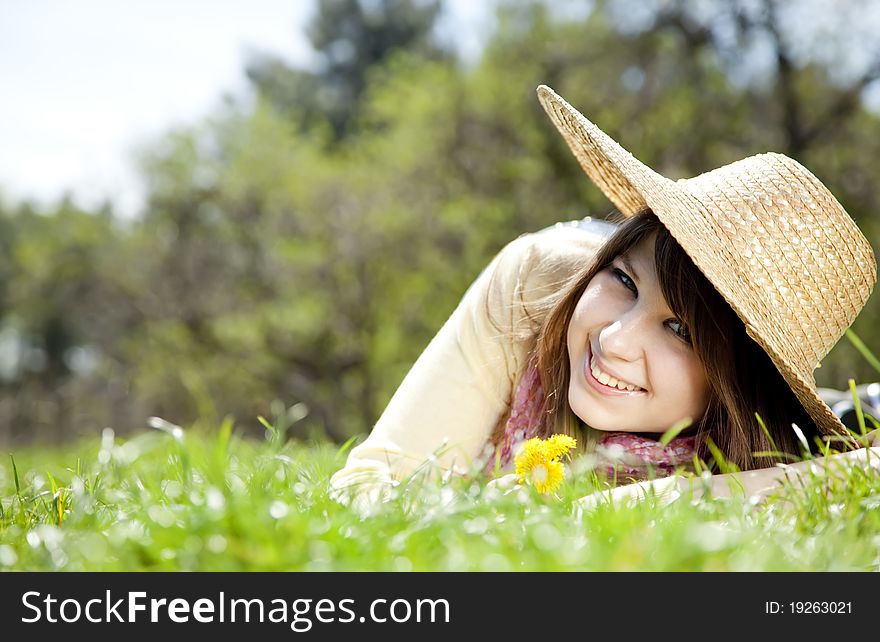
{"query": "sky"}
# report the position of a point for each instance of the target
(84, 83)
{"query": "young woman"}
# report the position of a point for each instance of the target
(714, 299)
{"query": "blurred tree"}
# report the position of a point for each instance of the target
(66, 312)
(350, 36)
(294, 254)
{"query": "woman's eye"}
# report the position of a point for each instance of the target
(679, 328)
(623, 277)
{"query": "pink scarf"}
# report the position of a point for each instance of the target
(631, 455)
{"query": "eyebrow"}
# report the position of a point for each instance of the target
(629, 266)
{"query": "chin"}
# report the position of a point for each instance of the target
(595, 420)
(604, 426)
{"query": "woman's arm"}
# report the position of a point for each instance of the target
(762, 482)
(449, 402)
(754, 483)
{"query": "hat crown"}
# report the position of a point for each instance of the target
(808, 267)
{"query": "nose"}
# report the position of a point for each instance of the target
(623, 339)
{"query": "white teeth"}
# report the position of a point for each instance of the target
(608, 380)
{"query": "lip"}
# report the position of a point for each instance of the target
(600, 387)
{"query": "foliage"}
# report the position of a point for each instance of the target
(350, 37)
(281, 266)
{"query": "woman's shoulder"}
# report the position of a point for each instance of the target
(554, 252)
(534, 268)
(590, 225)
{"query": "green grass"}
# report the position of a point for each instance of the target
(172, 499)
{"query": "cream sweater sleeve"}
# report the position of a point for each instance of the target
(447, 405)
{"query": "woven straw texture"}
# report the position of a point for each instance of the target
(767, 234)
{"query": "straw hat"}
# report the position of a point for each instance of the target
(767, 234)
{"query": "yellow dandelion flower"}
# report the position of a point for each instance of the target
(538, 462)
(558, 445)
(531, 454)
(547, 476)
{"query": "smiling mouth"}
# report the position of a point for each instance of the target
(605, 388)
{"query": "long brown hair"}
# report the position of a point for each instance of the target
(741, 377)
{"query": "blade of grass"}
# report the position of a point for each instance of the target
(673, 431)
(59, 505)
(766, 432)
(42, 498)
(344, 447)
(15, 476)
(273, 434)
(860, 416)
(699, 467)
(801, 437)
(224, 435)
(863, 349)
(21, 508)
(776, 454)
(723, 465)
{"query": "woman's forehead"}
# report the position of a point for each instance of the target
(640, 257)
(640, 265)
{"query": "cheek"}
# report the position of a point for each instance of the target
(579, 320)
(676, 373)
(694, 378)
(585, 319)
(590, 307)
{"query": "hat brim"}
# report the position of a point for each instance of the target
(632, 186)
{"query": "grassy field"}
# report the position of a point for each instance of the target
(176, 500)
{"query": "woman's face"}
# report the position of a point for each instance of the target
(631, 370)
